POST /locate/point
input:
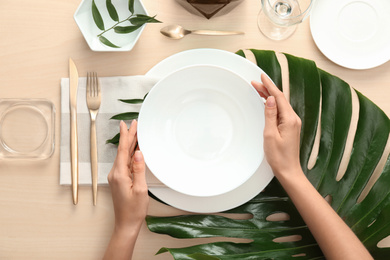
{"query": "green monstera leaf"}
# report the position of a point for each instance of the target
(322, 101)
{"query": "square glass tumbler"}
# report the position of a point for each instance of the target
(26, 129)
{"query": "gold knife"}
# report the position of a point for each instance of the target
(74, 155)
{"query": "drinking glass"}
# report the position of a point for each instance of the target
(278, 19)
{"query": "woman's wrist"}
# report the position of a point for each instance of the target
(127, 232)
(122, 243)
(290, 176)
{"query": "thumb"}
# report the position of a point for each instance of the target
(138, 169)
(271, 116)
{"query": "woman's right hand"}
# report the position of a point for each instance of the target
(282, 130)
(281, 146)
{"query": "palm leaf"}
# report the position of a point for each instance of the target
(369, 219)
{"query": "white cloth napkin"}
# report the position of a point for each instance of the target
(112, 88)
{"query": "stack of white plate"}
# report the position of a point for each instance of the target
(201, 131)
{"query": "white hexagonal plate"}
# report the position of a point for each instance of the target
(84, 20)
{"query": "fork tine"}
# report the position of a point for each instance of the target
(98, 86)
(91, 77)
(88, 84)
(92, 84)
(95, 85)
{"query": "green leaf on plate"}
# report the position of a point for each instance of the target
(105, 41)
(112, 11)
(141, 19)
(126, 29)
(97, 16)
(126, 116)
(114, 140)
(132, 101)
(131, 6)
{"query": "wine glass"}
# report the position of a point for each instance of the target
(278, 19)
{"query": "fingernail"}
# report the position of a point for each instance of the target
(122, 124)
(137, 156)
(270, 101)
(132, 121)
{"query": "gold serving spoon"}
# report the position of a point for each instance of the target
(177, 32)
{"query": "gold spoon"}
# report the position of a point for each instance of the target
(178, 32)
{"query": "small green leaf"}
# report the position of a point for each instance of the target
(141, 19)
(96, 16)
(114, 140)
(112, 11)
(126, 116)
(162, 250)
(131, 6)
(126, 29)
(105, 41)
(132, 101)
(146, 95)
(152, 19)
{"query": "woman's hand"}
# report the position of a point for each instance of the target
(281, 147)
(129, 194)
(282, 130)
(127, 181)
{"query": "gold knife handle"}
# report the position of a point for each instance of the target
(94, 161)
(74, 158)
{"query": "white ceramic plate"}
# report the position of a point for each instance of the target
(200, 129)
(263, 174)
(87, 26)
(352, 33)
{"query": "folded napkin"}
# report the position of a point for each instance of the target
(112, 89)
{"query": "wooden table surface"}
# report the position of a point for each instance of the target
(37, 217)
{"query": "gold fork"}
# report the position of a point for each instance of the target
(94, 98)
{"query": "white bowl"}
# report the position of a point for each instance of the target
(84, 20)
(200, 130)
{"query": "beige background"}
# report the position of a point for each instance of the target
(37, 218)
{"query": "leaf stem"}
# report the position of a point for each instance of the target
(127, 19)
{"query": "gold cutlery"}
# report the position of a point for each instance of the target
(177, 32)
(73, 85)
(94, 98)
